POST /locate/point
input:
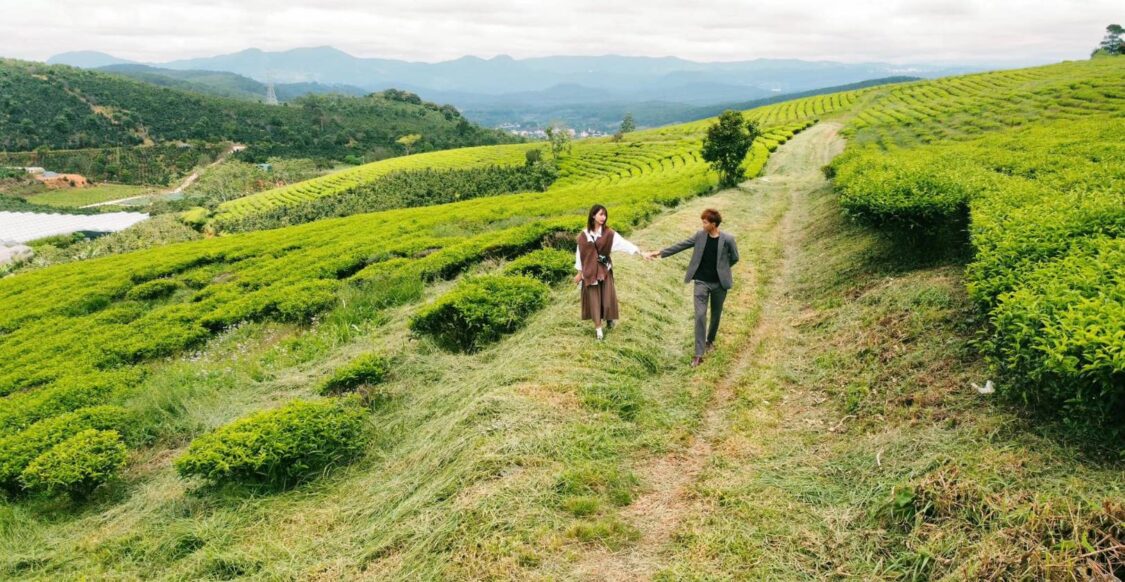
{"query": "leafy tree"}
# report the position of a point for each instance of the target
(627, 124)
(1112, 44)
(726, 145)
(407, 141)
(558, 135)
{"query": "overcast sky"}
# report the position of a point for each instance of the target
(898, 31)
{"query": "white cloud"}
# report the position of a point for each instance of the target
(433, 30)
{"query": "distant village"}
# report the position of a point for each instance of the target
(538, 133)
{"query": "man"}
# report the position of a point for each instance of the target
(713, 254)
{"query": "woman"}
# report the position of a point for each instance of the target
(592, 260)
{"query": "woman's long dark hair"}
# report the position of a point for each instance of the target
(593, 211)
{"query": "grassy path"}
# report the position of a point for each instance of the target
(832, 433)
(763, 214)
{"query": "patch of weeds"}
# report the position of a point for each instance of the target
(623, 399)
(610, 532)
(581, 505)
(601, 479)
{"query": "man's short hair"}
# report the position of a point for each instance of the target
(711, 215)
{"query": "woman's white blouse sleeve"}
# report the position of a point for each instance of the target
(577, 259)
(620, 245)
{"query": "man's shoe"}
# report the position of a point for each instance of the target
(708, 346)
(696, 361)
(610, 323)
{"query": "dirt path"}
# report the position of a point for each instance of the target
(188, 181)
(767, 239)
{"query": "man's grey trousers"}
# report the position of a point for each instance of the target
(715, 295)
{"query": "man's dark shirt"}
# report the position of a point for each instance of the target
(707, 266)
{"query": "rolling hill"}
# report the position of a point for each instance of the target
(833, 432)
(66, 108)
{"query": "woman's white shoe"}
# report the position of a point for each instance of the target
(601, 336)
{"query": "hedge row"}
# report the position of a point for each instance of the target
(278, 447)
(1047, 213)
(480, 310)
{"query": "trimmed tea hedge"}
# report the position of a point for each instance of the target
(20, 449)
(548, 265)
(479, 310)
(278, 447)
(78, 464)
(367, 369)
(1041, 173)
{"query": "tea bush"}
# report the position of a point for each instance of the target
(367, 369)
(278, 447)
(77, 465)
(154, 289)
(1039, 176)
(547, 265)
(19, 449)
(479, 310)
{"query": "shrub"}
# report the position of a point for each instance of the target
(547, 265)
(154, 289)
(367, 369)
(19, 449)
(480, 310)
(78, 464)
(278, 447)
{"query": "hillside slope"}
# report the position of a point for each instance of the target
(62, 107)
(553, 456)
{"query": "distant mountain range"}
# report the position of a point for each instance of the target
(517, 85)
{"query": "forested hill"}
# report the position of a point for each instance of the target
(58, 106)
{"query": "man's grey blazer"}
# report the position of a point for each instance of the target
(728, 255)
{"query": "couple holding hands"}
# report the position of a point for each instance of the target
(714, 253)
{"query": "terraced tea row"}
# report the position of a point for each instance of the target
(1034, 160)
(82, 332)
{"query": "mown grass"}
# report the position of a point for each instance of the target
(486, 465)
(857, 447)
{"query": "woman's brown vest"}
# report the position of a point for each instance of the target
(592, 270)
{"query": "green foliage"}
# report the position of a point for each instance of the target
(558, 136)
(480, 310)
(155, 164)
(77, 465)
(54, 106)
(400, 189)
(19, 449)
(71, 338)
(726, 145)
(1035, 158)
(278, 447)
(628, 125)
(154, 289)
(547, 265)
(367, 369)
(1112, 44)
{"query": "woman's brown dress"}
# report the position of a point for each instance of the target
(599, 296)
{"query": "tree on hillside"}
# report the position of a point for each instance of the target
(627, 124)
(408, 141)
(558, 135)
(726, 145)
(1112, 44)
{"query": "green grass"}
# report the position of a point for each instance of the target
(856, 446)
(832, 433)
(75, 197)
